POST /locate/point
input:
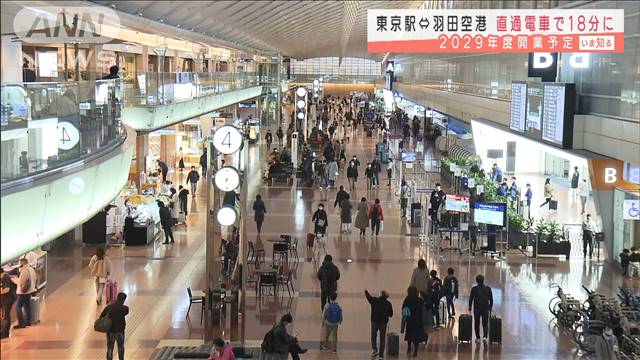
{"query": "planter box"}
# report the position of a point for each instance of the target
(554, 248)
(517, 239)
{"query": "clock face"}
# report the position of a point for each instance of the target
(227, 139)
(226, 216)
(227, 178)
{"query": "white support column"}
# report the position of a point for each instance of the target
(11, 59)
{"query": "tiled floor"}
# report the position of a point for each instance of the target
(155, 278)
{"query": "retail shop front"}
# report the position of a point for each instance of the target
(534, 162)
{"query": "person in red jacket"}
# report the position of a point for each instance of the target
(222, 351)
(376, 216)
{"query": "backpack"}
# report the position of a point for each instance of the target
(269, 341)
(447, 285)
(375, 213)
(334, 313)
(436, 290)
(483, 298)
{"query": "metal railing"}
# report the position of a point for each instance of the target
(50, 125)
(471, 89)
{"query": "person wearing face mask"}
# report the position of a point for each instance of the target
(368, 172)
(284, 343)
(320, 221)
(352, 175)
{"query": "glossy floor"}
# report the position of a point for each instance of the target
(155, 278)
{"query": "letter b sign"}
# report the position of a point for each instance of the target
(610, 175)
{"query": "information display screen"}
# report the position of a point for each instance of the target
(493, 213)
(553, 113)
(518, 112)
(458, 203)
(535, 92)
(408, 156)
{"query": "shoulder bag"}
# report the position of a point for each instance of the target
(103, 324)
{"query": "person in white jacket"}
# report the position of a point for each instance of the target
(583, 189)
(100, 267)
(26, 282)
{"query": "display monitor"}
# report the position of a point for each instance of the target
(457, 203)
(553, 113)
(518, 113)
(489, 213)
(408, 156)
(535, 93)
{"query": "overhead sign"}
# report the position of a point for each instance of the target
(495, 30)
(631, 210)
(607, 174)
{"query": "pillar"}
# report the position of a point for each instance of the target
(168, 149)
(198, 66)
(142, 61)
(142, 149)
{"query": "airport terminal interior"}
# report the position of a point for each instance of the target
(285, 179)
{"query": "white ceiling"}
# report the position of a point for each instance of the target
(299, 29)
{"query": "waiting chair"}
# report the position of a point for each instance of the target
(287, 281)
(268, 280)
(253, 252)
(195, 300)
(293, 249)
(280, 254)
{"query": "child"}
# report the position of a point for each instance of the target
(450, 289)
(332, 316)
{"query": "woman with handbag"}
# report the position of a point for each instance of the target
(100, 266)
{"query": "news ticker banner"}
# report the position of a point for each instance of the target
(476, 30)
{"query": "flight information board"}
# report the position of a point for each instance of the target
(518, 115)
(553, 113)
(535, 93)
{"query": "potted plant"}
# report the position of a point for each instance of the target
(517, 236)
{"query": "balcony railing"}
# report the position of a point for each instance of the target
(493, 92)
(50, 125)
(152, 88)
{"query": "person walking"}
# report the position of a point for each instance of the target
(345, 215)
(575, 182)
(376, 216)
(528, 195)
(404, 198)
(390, 166)
(258, 212)
(352, 175)
(320, 221)
(583, 190)
(333, 173)
(436, 199)
(26, 287)
(420, 277)
(193, 177)
(548, 192)
(362, 218)
(340, 195)
(588, 230)
(412, 324)
(166, 222)
(328, 274)
(434, 291)
(280, 135)
(450, 291)
(269, 139)
(381, 311)
(203, 163)
(7, 298)
(174, 205)
(284, 343)
(368, 172)
(332, 316)
(116, 311)
(375, 164)
(481, 299)
(100, 267)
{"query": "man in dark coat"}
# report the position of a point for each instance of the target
(328, 274)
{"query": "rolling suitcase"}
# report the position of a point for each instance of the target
(34, 316)
(393, 344)
(443, 310)
(310, 239)
(181, 217)
(553, 204)
(465, 322)
(111, 289)
(495, 329)
(369, 133)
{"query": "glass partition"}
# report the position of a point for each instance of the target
(153, 88)
(49, 125)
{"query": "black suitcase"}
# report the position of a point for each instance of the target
(393, 344)
(495, 329)
(369, 133)
(465, 322)
(553, 204)
(416, 214)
